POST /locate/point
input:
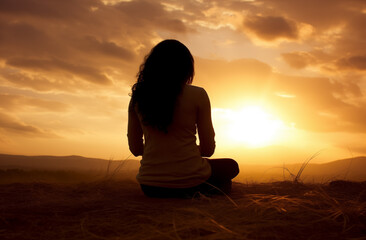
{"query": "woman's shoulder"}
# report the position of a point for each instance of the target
(194, 95)
(194, 90)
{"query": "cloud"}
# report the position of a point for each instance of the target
(319, 104)
(20, 38)
(11, 102)
(353, 63)
(87, 73)
(11, 125)
(351, 39)
(149, 13)
(298, 60)
(334, 27)
(35, 81)
(338, 31)
(91, 44)
(53, 41)
(316, 58)
(320, 14)
(270, 28)
(74, 10)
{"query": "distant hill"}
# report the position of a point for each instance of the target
(348, 169)
(64, 163)
(353, 169)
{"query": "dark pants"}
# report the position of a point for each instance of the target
(223, 170)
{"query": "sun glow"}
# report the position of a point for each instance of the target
(251, 126)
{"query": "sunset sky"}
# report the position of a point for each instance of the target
(286, 78)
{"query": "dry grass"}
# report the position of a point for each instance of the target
(117, 209)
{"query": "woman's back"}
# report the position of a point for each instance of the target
(173, 159)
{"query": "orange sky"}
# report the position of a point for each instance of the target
(66, 69)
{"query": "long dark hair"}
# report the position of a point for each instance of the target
(162, 75)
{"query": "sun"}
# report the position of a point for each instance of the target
(252, 126)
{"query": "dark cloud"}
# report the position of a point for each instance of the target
(79, 40)
(299, 60)
(23, 39)
(353, 35)
(91, 45)
(347, 46)
(48, 9)
(270, 28)
(354, 63)
(302, 59)
(12, 125)
(334, 26)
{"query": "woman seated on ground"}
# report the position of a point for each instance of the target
(164, 113)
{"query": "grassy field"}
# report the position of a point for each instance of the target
(117, 209)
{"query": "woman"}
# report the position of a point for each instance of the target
(164, 113)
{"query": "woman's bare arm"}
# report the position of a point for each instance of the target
(134, 132)
(206, 133)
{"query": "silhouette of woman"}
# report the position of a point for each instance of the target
(164, 114)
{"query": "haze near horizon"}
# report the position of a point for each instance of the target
(286, 79)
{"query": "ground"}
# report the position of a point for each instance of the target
(117, 209)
